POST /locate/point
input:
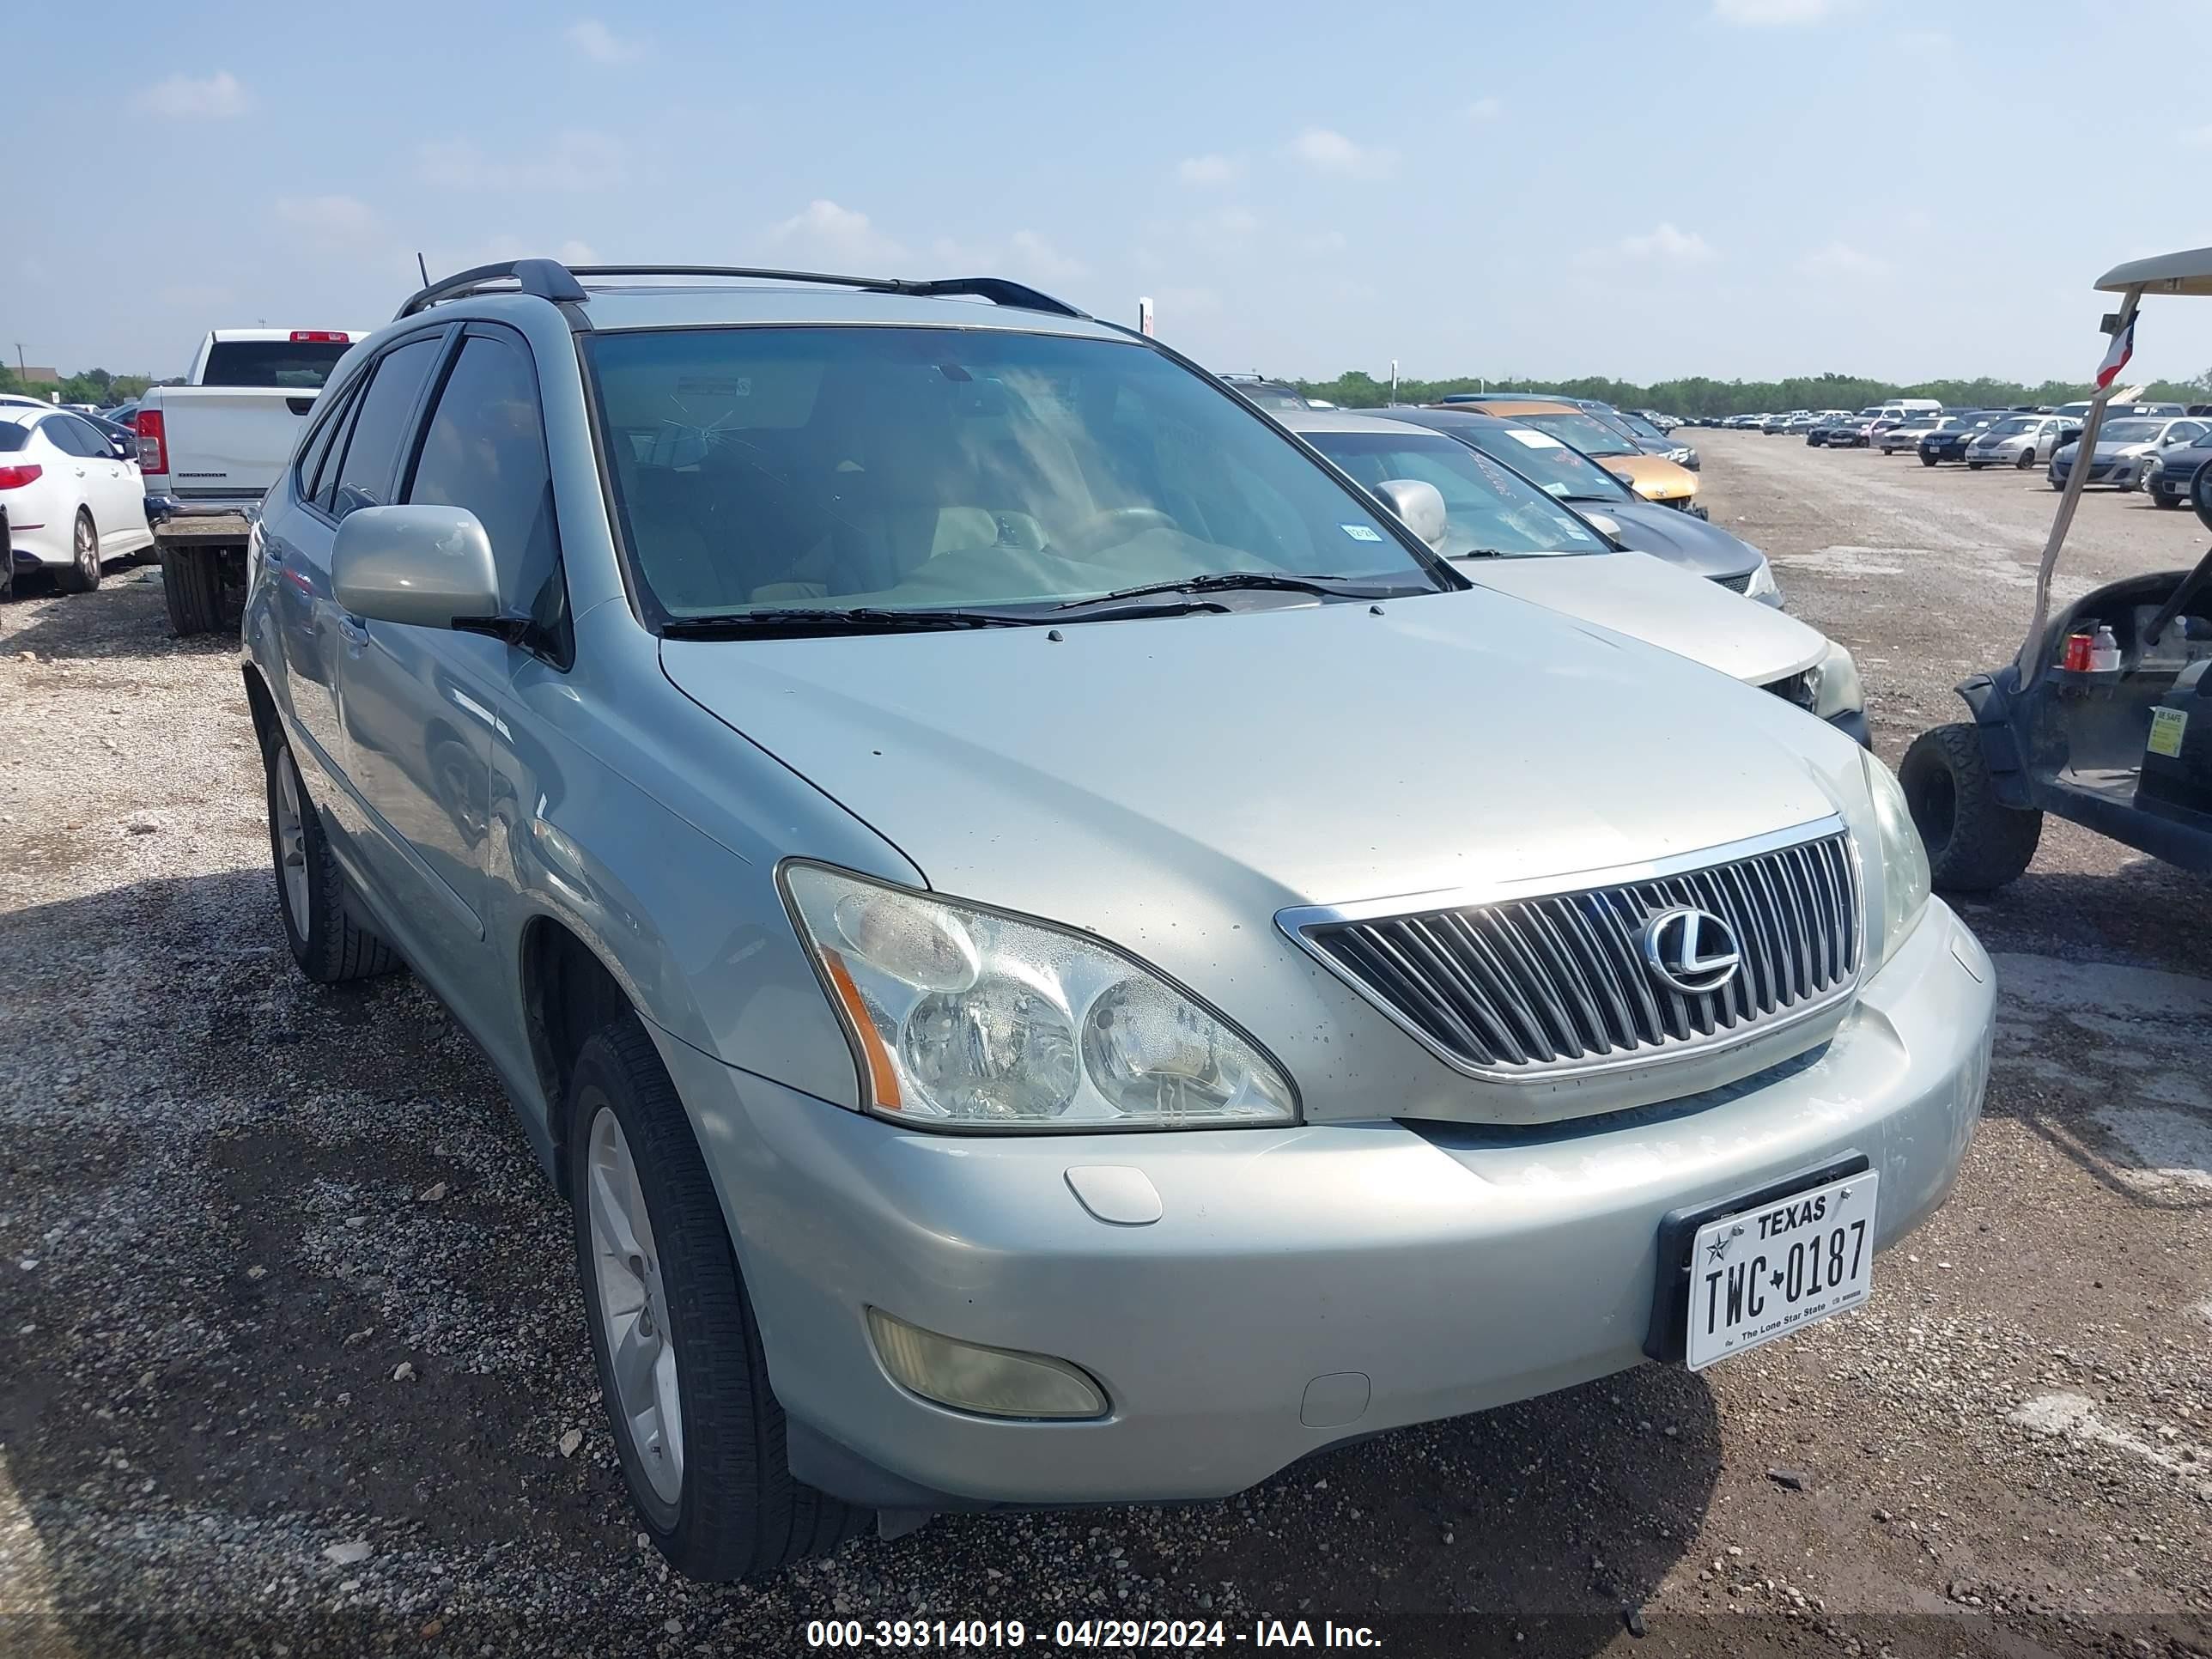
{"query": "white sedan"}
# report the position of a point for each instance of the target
(72, 501)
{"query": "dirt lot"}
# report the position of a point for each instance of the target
(288, 1348)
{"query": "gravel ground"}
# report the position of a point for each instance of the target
(290, 1362)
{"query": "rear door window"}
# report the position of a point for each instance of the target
(385, 413)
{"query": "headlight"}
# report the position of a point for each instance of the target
(1904, 859)
(1762, 586)
(967, 1019)
(1835, 681)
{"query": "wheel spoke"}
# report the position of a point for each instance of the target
(634, 1358)
(610, 1212)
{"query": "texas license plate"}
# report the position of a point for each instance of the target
(1765, 1273)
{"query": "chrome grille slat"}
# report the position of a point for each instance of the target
(1520, 987)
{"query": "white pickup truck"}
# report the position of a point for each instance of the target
(210, 448)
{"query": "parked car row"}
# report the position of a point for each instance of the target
(978, 854)
(2156, 447)
(71, 487)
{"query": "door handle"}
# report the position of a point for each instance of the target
(353, 631)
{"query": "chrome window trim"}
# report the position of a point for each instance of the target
(1299, 922)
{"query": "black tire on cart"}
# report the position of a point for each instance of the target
(81, 574)
(1975, 843)
(697, 1429)
(191, 582)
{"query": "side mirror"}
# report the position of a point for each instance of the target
(1417, 505)
(424, 567)
(1610, 526)
(2200, 494)
(124, 448)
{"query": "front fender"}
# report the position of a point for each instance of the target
(1992, 699)
(649, 829)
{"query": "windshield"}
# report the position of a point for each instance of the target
(2131, 432)
(305, 364)
(2018, 423)
(918, 469)
(1586, 433)
(1487, 508)
(1558, 467)
(1638, 427)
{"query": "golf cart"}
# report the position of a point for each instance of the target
(2105, 716)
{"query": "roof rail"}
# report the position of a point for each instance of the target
(549, 279)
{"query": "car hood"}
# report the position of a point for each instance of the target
(1684, 540)
(1649, 599)
(1136, 776)
(1652, 477)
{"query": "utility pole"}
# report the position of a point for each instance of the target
(19, 360)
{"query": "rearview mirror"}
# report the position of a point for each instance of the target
(1418, 505)
(424, 567)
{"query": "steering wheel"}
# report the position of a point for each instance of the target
(1109, 525)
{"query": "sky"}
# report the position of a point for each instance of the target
(1637, 188)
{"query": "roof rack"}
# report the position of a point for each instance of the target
(550, 279)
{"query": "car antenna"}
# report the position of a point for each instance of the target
(423, 265)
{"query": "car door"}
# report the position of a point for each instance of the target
(422, 704)
(84, 486)
(112, 490)
(349, 463)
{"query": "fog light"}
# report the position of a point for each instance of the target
(969, 1377)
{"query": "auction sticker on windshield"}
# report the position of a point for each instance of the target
(1765, 1272)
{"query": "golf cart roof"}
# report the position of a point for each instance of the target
(2188, 272)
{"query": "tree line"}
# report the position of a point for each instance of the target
(1697, 396)
(94, 385)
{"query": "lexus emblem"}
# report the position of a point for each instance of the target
(1689, 951)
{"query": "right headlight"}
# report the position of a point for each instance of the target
(1903, 859)
(1835, 682)
(964, 1018)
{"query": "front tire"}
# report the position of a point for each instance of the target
(81, 574)
(2026, 459)
(1927, 460)
(1975, 843)
(2161, 499)
(328, 943)
(1976, 466)
(698, 1430)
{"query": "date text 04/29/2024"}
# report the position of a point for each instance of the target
(1087, 1635)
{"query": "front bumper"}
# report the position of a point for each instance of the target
(1302, 1285)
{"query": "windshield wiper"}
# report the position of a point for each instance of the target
(1232, 581)
(865, 619)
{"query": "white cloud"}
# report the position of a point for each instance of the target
(601, 44)
(1036, 256)
(1840, 260)
(218, 95)
(1330, 152)
(1764, 14)
(1484, 109)
(577, 159)
(1210, 170)
(824, 227)
(2200, 136)
(1664, 244)
(331, 219)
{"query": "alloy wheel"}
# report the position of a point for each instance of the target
(291, 841)
(633, 1309)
